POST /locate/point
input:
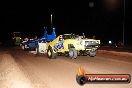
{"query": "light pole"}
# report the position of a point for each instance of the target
(124, 24)
(51, 21)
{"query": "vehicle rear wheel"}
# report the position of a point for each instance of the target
(22, 47)
(37, 50)
(51, 54)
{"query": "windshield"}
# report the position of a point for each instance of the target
(70, 36)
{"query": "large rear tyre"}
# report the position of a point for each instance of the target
(24, 47)
(51, 54)
(37, 50)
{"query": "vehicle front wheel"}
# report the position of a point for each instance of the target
(92, 53)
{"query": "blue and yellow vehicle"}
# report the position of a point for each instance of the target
(72, 45)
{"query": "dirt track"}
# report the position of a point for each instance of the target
(31, 71)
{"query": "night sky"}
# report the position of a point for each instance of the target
(102, 18)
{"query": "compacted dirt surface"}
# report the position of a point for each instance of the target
(21, 69)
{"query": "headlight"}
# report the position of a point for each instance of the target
(98, 42)
(81, 43)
